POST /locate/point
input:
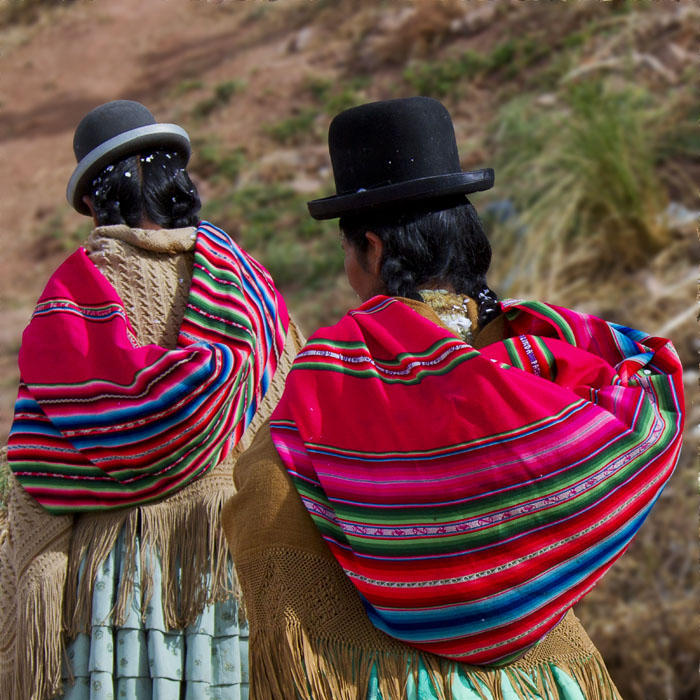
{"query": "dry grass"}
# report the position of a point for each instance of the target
(643, 616)
(583, 170)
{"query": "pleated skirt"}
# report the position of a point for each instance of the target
(142, 660)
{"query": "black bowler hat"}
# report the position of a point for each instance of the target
(394, 151)
(113, 131)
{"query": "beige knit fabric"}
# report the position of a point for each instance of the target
(43, 599)
(309, 634)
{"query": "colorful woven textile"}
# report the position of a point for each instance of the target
(472, 497)
(102, 423)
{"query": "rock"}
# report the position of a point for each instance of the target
(301, 40)
(679, 218)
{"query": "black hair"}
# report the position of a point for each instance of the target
(152, 186)
(437, 243)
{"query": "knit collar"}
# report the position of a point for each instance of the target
(175, 240)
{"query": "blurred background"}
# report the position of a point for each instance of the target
(588, 112)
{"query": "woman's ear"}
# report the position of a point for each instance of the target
(373, 254)
(88, 203)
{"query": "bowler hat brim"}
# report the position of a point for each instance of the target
(151, 136)
(410, 190)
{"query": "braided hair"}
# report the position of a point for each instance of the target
(441, 243)
(152, 186)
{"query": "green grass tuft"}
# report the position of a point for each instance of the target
(583, 175)
(294, 130)
(212, 160)
(221, 96)
(187, 85)
(441, 78)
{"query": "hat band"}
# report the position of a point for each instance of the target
(117, 143)
(421, 188)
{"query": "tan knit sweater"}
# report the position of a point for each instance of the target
(43, 599)
(309, 634)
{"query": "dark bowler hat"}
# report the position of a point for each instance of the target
(394, 151)
(113, 131)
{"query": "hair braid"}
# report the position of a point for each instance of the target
(441, 243)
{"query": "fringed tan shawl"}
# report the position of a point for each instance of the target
(43, 599)
(309, 634)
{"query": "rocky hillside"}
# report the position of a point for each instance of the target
(588, 111)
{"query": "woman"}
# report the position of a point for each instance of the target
(445, 475)
(153, 356)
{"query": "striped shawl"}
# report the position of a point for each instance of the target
(48, 563)
(101, 422)
(473, 496)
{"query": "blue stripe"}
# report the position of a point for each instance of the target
(258, 293)
(458, 621)
(171, 397)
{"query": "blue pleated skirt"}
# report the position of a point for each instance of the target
(141, 659)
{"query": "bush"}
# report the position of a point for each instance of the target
(336, 96)
(440, 78)
(212, 160)
(583, 175)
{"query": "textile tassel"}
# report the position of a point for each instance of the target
(313, 668)
(187, 538)
(593, 679)
(329, 670)
(125, 589)
(33, 563)
(392, 673)
(40, 609)
(93, 539)
(440, 674)
(544, 680)
(182, 533)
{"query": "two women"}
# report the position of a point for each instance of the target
(154, 354)
(445, 475)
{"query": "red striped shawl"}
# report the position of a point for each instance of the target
(102, 423)
(472, 497)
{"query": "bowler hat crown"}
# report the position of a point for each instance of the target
(113, 131)
(392, 151)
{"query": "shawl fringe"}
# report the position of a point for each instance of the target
(39, 671)
(323, 669)
(49, 564)
(184, 534)
(32, 646)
